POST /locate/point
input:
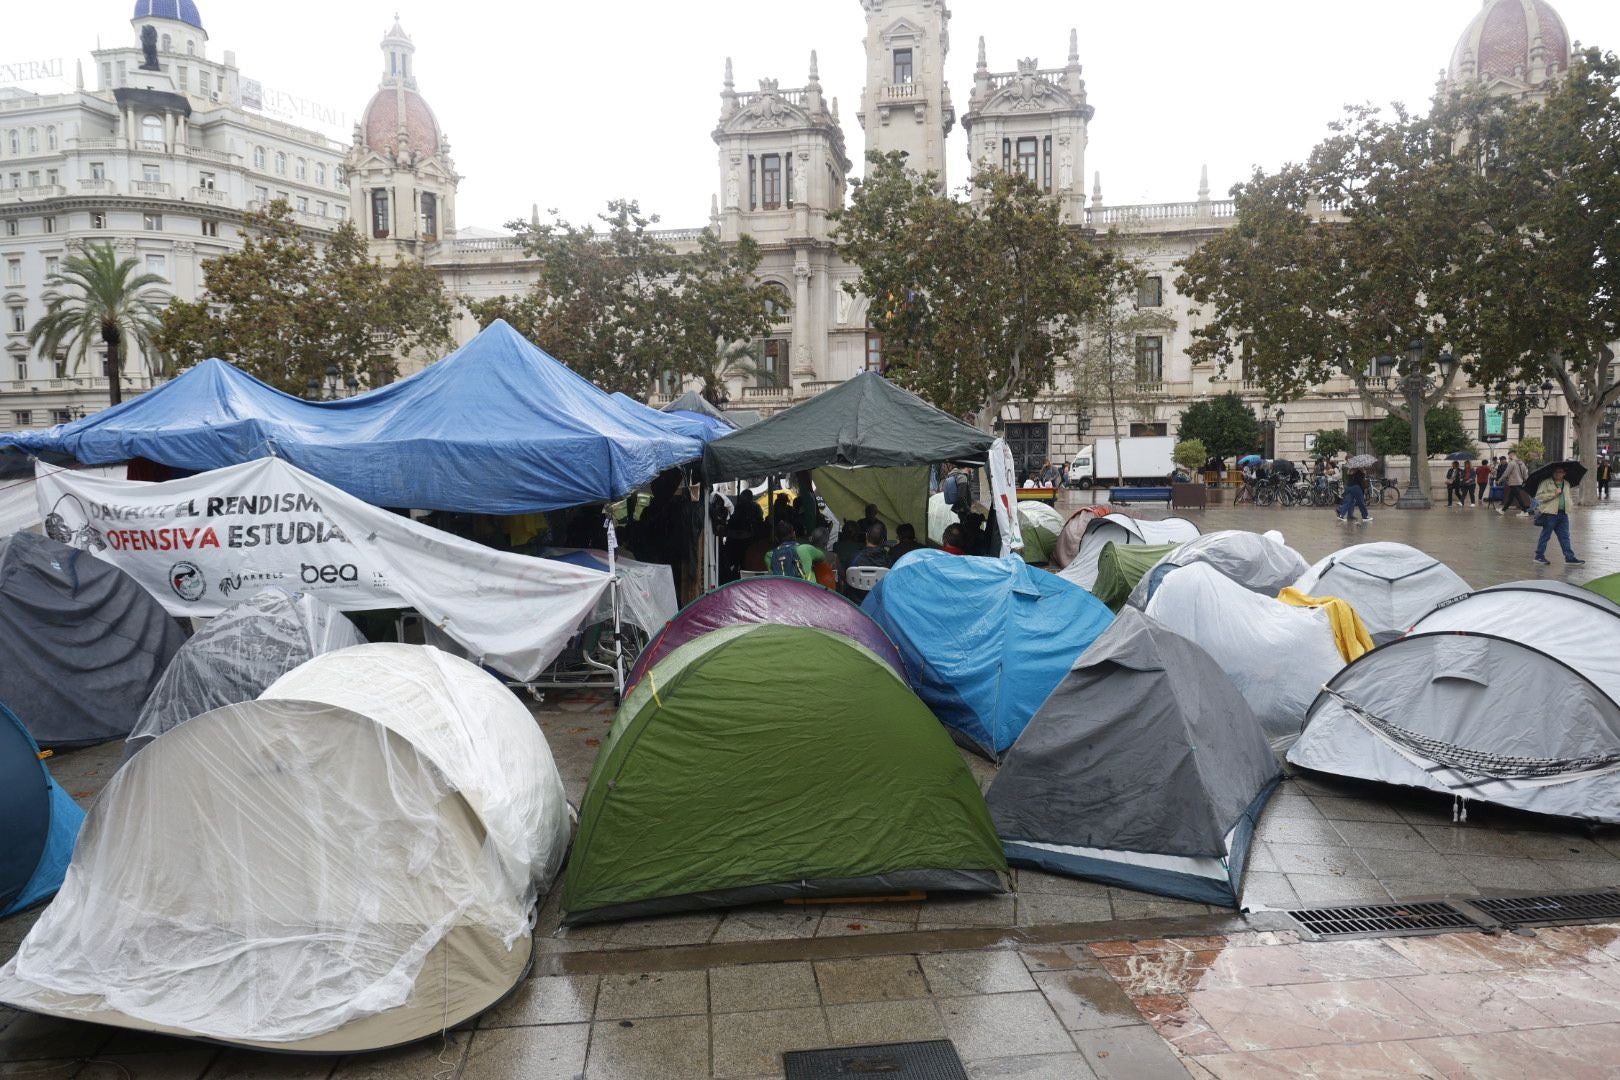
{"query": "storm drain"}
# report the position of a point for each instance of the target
(932, 1060)
(1381, 920)
(1550, 910)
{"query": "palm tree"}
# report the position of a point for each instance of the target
(95, 296)
(732, 360)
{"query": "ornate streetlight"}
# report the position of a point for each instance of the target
(331, 388)
(1524, 400)
(1272, 420)
(1416, 384)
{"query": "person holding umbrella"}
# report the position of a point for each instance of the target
(1554, 485)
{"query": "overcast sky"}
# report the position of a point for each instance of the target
(570, 104)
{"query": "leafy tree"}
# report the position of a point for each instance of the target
(732, 360)
(978, 301)
(1226, 424)
(1531, 449)
(286, 307)
(1445, 434)
(96, 296)
(1103, 369)
(622, 306)
(1191, 454)
(1331, 442)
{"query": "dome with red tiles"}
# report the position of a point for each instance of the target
(393, 106)
(1524, 41)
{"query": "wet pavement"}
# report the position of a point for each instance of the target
(1060, 977)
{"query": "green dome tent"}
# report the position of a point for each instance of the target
(1121, 566)
(1607, 587)
(759, 762)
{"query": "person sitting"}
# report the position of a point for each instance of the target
(872, 554)
(813, 564)
(952, 543)
(905, 544)
(783, 560)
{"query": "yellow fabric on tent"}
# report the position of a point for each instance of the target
(1349, 632)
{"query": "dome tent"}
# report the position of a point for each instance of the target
(1122, 566)
(984, 640)
(1144, 769)
(38, 821)
(1261, 563)
(237, 655)
(1040, 526)
(761, 762)
(779, 600)
(1606, 587)
(1445, 711)
(357, 869)
(1067, 544)
(82, 644)
(1119, 529)
(1390, 585)
(1278, 656)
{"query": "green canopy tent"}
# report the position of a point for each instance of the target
(1121, 566)
(1607, 587)
(866, 440)
(760, 762)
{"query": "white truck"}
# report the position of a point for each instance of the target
(1143, 459)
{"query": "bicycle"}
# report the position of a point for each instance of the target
(1389, 492)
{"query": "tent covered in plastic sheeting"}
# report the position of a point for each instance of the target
(695, 404)
(1122, 530)
(984, 640)
(38, 821)
(237, 655)
(1122, 566)
(1040, 525)
(1565, 621)
(761, 762)
(1390, 585)
(1479, 717)
(1278, 656)
(783, 601)
(1260, 562)
(357, 867)
(646, 590)
(82, 644)
(1145, 769)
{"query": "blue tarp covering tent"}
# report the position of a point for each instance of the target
(38, 821)
(984, 640)
(686, 425)
(496, 427)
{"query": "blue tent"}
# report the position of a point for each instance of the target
(686, 425)
(984, 640)
(496, 427)
(38, 821)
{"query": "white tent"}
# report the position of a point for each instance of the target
(1119, 529)
(349, 862)
(1278, 655)
(1390, 585)
(1260, 562)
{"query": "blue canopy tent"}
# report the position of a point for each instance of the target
(39, 822)
(496, 427)
(984, 640)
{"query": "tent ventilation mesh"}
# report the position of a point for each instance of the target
(932, 1060)
(1370, 920)
(1550, 910)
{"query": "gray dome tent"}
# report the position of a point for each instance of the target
(1390, 585)
(1145, 768)
(1260, 563)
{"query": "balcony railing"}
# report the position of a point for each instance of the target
(901, 92)
(36, 191)
(209, 155)
(97, 187)
(1150, 387)
(156, 146)
(149, 187)
(1005, 78)
(1159, 212)
(792, 97)
(212, 196)
(757, 393)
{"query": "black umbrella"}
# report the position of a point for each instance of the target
(1574, 472)
(1461, 455)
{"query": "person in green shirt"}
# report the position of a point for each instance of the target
(1553, 504)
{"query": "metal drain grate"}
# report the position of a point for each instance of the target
(1550, 910)
(1368, 920)
(933, 1060)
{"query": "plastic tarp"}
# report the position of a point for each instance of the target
(341, 865)
(865, 422)
(1122, 566)
(1475, 716)
(1260, 562)
(1145, 768)
(237, 655)
(1040, 525)
(496, 427)
(1119, 529)
(940, 518)
(693, 403)
(194, 543)
(780, 601)
(39, 822)
(646, 590)
(1566, 622)
(1277, 656)
(1390, 585)
(684, 425)
(82, 645)
(984, 640)
(1606, 587)
(760, 762)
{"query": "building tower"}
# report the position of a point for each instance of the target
(1033, 121)
(906, 105)
(1512, 47)
(402, 182)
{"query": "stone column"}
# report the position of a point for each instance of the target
(803, 365)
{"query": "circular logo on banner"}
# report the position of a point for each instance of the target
(187, 581)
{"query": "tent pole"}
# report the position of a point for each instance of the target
(711, 553)
(613, 586)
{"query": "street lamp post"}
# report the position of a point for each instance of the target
(1524, 400)
(1272, 420)
(1416, 384)
(331, 388)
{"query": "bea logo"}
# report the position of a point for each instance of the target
(328, 574)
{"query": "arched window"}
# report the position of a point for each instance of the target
(777, 304)
(320, 173)
(191, 47)
(168, 43)
(300, 168)
(50, 137)
(14, 141)
(152, 129)
(33, 140)
(258, 157)
(281, 163)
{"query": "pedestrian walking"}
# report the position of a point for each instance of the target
(1553, 505)
(1453, 476)
(1513, 493)
(1605, 474)
(1482, 479)
(1355, 497)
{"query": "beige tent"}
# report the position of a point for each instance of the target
(347, 863)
